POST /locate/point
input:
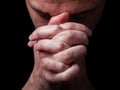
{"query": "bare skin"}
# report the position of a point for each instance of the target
(59, 43)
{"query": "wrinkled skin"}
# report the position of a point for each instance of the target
(59, 42)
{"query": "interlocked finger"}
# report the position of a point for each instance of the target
(72, 37)
(50, 46)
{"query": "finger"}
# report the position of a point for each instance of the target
(50, 46)
(72, 37)
(71, 54)
(76, 26)
(53, 65)
(67, 75)
(45, 32)
(53, 21)
(31, 43)
(59, 19)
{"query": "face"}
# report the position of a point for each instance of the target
(86, 12)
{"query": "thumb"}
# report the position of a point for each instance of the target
(59, 19)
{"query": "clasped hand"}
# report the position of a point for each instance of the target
(59, 50)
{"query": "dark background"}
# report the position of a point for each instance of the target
(17, 57)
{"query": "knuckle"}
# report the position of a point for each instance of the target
(63, 67)
(56, 27)
(70, 25)
(83, 27)
(40, 45)
(71, 75)
(37, 46)
(69, 35)
(44, 62)
(85, 38)
(60, 46)
(83, 49)
(68, 57)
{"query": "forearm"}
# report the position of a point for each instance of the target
(34, 84)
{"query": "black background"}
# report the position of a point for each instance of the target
(17, 57)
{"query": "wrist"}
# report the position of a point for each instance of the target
(36, 82)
